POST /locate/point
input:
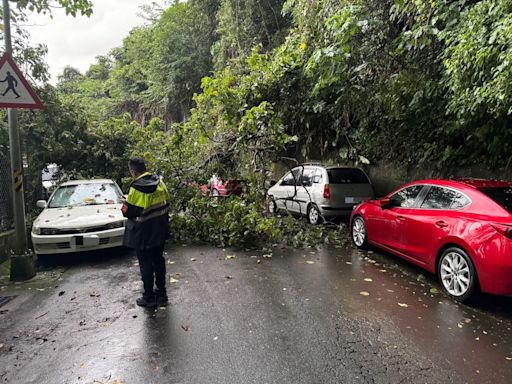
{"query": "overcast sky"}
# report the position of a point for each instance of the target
(77, 41)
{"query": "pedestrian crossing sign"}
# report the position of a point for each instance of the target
(15, 91)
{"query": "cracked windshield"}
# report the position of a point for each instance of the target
(256, 191)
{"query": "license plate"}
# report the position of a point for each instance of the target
(86, 241)
(351, 200)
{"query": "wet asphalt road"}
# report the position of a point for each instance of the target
(301, 316)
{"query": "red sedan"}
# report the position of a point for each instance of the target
(460, 230)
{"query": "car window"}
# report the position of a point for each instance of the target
(291, 178)
(85, 194)
(501, 195)
(406, 197)
(307, 177)
(347, 176)
(317, 177)
(444, 198)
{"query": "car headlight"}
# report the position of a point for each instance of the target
(115, 224)
(36, 230)
(48, 231)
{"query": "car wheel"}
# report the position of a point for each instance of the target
(215, 192)
(314, 217)
(457, 274)
(272, 206)
(359, 233)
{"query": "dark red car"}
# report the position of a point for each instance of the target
(459, 229)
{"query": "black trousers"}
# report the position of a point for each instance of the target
(152, 269)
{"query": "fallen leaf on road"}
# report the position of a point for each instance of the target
(403, 305)
(459, 325)
(117, 382)
(267, 256)
(258, 261)
(348, 262)
(61, 293)
(1, 346)
(484, 332)
(94, 294)
(230, 257)
(216, 338)
(193, 259)
(477, 338)
(434, 290)
(186, 328)
(382, 270)
(364, 293)
(508, 358)
(82, 365)
(173, 280)
(157, 368)
(171, 262)
(178, 274)
(368, 279)
(390, 290)
(227, 277)
(310, 262)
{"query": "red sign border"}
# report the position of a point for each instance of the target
(38, 104)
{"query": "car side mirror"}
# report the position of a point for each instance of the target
(41, 204)
(385, 203)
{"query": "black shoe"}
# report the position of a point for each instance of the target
(161, 296)
(146, 301)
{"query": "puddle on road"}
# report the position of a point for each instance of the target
(476, 340)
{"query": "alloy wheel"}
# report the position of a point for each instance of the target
(455, 274)
(359, 232)
(313, 215)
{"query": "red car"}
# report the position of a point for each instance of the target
(460, 230)
(216, 187)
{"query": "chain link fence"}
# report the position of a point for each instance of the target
(6, 213)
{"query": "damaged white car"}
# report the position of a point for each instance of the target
(80, 216)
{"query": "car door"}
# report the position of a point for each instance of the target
(386, 225)
(285, 194)
(305, 189)
(434, 218)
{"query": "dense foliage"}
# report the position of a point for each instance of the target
(236, 87)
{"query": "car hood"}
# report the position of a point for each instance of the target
(79, 217)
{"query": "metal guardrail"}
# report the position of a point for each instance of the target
(6, 213)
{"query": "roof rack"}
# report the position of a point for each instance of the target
(313, 162)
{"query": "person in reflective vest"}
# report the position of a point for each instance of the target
(147, 229)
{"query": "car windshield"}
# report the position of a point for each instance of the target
(501, 195)
(85, 194)
(347, 176)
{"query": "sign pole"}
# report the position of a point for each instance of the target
(20, 269)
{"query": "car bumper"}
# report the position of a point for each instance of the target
(328, 211)
(54, 244)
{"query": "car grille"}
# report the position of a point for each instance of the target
(85, 230)
(63, 245)
(105, 240)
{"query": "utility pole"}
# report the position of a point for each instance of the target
(21, 264)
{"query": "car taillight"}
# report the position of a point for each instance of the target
(327, 191)
(505, 230)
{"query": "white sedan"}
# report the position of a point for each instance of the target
(81, 215)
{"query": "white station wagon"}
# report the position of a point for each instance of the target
(81, 215)
(319, 192)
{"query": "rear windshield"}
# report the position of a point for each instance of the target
(502, 195)
(347, 176)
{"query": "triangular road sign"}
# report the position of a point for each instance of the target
(15, 91)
